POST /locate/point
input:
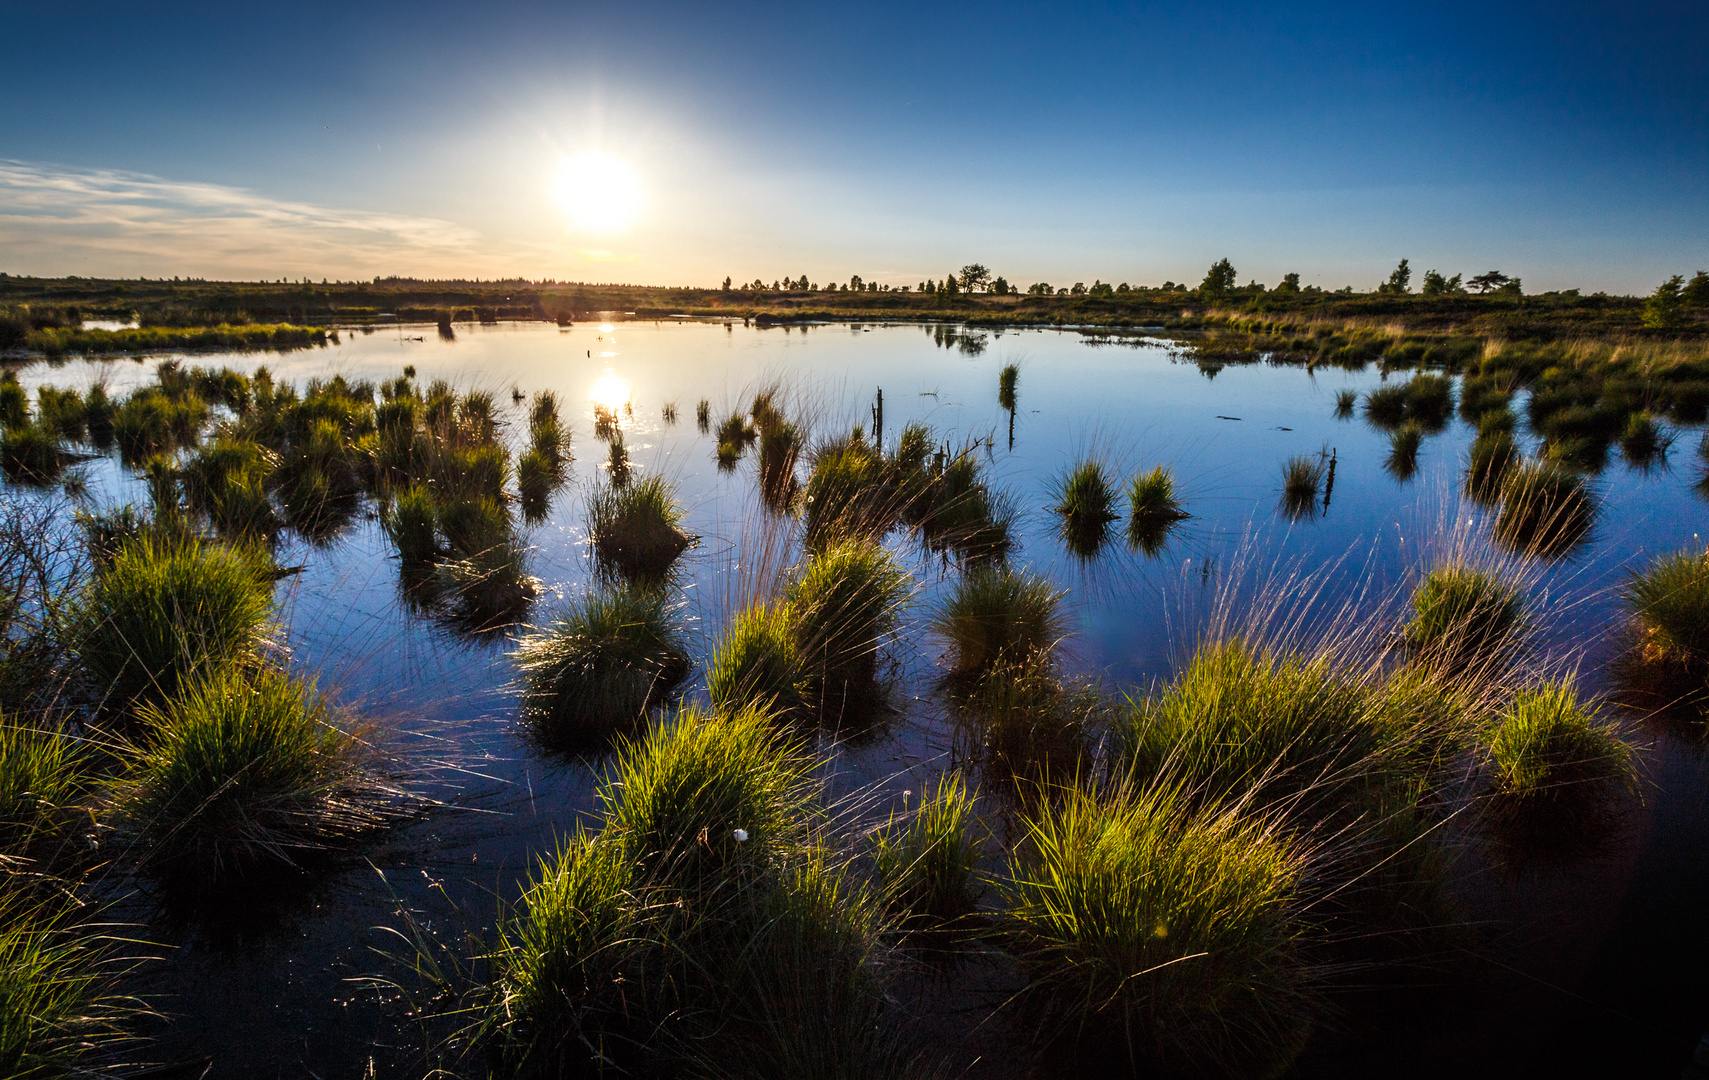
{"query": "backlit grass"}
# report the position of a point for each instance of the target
(637, 527)
(841, 604)
(245, 766)
(600, 665)
(41, 779)
(997, 615)
(165, 610)
(927, 860)
(1157, 938)
(1084, 495)
(756, 663)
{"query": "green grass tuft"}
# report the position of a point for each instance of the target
(1160, 938)
(678, 796)
(1465, 617)
(1493, 455)
(1084, 495)
(58, 1014)
(164, 610)
(30, 452)
(1545, 509)
(245, 767)
(1550, 758)
(637, 527)
(41, 778)
(841, 604)
(757, 664)
(927, 862)
(1669, 601)
(597, 669)
(1152, 498)
(998, 616)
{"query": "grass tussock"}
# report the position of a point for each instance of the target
(59, 1013)
(30, 453)
(1553, 766)
(166, 610)
(841, 605)
(1152, 498)
(42, 778)
(1493, 455)
(704, 931)
(1084, 495)
(1160, 938)
(999, 616)
(1302, 478)
(637, 527)
(244, 767)
(1545, 509)
(927, 861)
(1669, 604)
(757, 664)
(1466, 617)
(593, 673)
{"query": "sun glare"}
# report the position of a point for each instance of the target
(598, 193)
(610, 390)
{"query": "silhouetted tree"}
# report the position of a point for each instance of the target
(1490, 282)
(974, 277)
(1696, 291)
(1290, 284)
(1399, 282)
(1437, 285)
(1040, 288)
(726, 283)
(1219, 279)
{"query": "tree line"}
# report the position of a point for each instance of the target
(1667, 307)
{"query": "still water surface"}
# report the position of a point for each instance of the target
(1601, 963)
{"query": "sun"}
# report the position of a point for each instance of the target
(599, 193)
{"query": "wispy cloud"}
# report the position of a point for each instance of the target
(57, 220)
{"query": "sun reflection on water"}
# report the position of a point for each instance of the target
(610, 390)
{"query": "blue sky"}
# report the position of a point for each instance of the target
(1566, 143)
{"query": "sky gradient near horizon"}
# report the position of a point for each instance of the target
(1567, 143)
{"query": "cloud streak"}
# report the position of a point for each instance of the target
(56, 220)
